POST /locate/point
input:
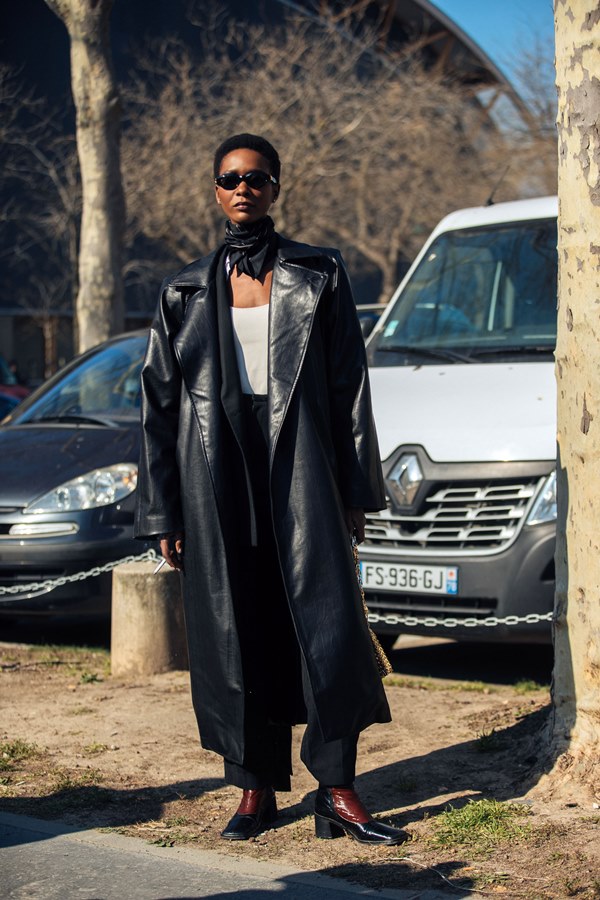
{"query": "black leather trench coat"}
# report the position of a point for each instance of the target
(323, 457)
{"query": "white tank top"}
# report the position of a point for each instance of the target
(251, 339)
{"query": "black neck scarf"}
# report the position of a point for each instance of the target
(249, 246)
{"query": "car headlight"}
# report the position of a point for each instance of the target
(98, 488)
(544, 508)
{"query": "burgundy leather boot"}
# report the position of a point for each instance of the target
(338, 811)
(257, 809)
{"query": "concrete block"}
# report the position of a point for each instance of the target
(147, 625)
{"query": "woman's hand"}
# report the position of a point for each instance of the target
(355, 521)
(171, 548)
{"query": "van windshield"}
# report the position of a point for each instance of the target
(479, 294)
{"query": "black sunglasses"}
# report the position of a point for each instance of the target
(254, 179)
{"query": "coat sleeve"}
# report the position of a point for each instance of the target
(360, 476)
(158, 501)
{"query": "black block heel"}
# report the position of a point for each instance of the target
(326, 830)
(331, 822)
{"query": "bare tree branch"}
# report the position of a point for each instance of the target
(375, 149)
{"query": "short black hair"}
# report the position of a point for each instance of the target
(248, 142)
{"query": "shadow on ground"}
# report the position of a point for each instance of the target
(417, 782)
(462, 661)
(81, 631)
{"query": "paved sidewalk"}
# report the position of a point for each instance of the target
(42, 860)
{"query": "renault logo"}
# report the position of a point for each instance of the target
(405, 479)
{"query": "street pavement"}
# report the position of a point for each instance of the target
(42, 860)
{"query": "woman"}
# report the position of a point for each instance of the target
(259, 459)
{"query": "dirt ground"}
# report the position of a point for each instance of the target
(82, 746)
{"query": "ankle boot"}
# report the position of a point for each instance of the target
(257, 809)
(338, 811)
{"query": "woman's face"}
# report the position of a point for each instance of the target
(244, 205)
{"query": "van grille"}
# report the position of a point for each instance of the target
(476, 516)
(424, 604)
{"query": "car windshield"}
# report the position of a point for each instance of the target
(100, 389)
(480, 294)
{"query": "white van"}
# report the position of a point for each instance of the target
(462, 378)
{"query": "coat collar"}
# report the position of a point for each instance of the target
(200, 272)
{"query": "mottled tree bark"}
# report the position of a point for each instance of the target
(99, 305)
(576, 687)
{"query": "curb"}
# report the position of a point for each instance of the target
(210, 860)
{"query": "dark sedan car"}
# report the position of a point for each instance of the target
(70, 454)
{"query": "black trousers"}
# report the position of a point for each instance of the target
(275, 677)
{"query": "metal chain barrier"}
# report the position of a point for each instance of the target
(374, 618)
(50, 583)
(450, 622)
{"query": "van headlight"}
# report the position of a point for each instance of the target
(98, 488)
(544, 508)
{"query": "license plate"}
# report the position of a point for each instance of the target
(405, 579)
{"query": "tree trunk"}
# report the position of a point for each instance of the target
(49, 335)
(576, 683)
(99, 305)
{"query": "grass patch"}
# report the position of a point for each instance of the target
(172, 838)
(65, 653)
(488, 742)
(476, 687)
(177, 821)
(68, 781)
(167, 832)
(71, 660)
(12, 752)
(489, 879)
(95, 748)
(80, 711)
(480, 824)
(528, 686)
(574, 887)
(414, 683)
(421, 684)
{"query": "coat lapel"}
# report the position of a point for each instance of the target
(198, 334)
(231, 391)
(295, 293)
(208, 316)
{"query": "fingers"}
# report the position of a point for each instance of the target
(168, 553)
(171, 548)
